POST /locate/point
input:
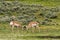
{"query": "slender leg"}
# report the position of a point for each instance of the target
(33, 29)
(22, 28)
(38, 28)
(27, 28)
(18, 27)
(12, 28)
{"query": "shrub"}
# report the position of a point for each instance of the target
(54, 9)
(53, 17)
(48, 20)
(43, 23)
(5, 19)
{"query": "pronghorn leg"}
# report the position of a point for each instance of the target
(12, 28)
(22, 28)
(33, 29)
(27, 28)
(18, 27)
(38, 28)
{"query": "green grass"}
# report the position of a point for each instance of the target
(44, 3)
(49, 3)
(7, 34)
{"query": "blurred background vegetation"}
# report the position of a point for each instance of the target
(26, 12)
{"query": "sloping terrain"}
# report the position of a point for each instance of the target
(27, 12)
(47, 13)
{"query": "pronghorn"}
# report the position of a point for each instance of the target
(32, 25)
(15, 23)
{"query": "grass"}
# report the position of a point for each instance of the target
(42, 2)
(7, 34)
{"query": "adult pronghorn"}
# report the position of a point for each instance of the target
(33, 24)
(15, 24)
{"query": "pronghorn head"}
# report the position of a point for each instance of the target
(13, 16)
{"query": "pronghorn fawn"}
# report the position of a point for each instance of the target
(15, 24)
(33, 24)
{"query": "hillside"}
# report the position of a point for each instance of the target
(28, 12)
(46, 12)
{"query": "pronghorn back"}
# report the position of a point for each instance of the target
(32, 24)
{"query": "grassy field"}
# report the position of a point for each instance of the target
(7, 34)
(45, 30)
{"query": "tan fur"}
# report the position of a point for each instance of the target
(32, 25)
(15, 23)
